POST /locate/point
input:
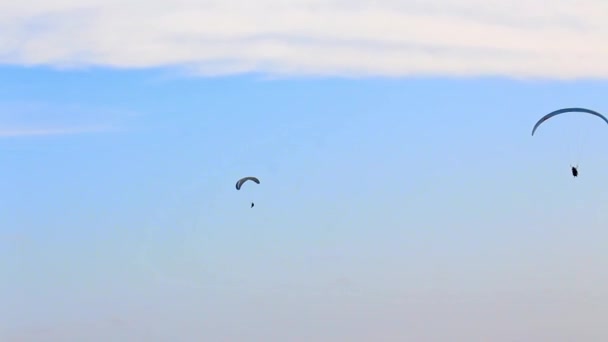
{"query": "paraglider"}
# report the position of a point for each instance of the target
(241, 181)
(574, 169)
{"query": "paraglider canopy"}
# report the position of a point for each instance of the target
(567, 110)
(240, 182)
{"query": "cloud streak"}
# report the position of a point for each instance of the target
(536, 38)
(49, 131)
(39, 119)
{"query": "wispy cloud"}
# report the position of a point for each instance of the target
(32, 132)
(92, 330)
(535, 38)
(36, 119)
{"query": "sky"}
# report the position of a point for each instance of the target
(402, 196)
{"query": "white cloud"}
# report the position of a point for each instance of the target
(534, 38)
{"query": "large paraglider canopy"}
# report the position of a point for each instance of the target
(575, 146)
(240, 182)
(567, 110)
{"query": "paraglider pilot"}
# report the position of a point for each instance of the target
(574, 171)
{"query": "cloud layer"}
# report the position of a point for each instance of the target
(535, 38)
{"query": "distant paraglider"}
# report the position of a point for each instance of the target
(241, 181)
(574, 169)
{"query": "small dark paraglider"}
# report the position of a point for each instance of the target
(241, 181)
(575, 171)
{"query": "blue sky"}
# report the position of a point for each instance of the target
(398, 201)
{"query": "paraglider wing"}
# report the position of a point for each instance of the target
(240, 182)
(566, 110)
